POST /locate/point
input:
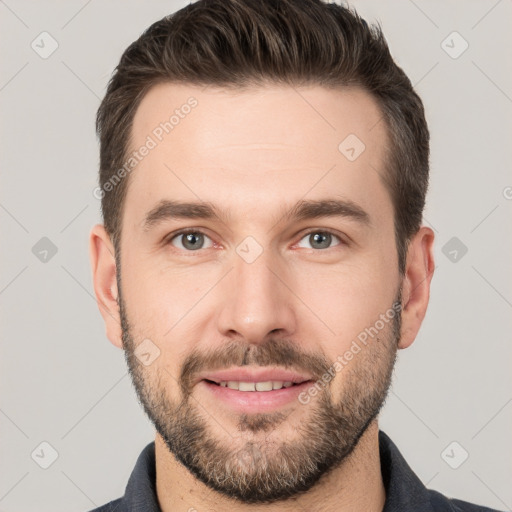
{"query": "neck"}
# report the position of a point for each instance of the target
(355, 485)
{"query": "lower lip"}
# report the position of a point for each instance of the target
(255, 401)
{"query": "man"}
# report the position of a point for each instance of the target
(263, 172)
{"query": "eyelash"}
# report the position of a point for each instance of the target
(187, 231)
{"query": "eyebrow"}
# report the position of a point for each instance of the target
(302, 210)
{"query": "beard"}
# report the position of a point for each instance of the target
(261, 468)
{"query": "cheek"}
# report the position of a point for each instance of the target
(157, 295)
(347, 299)
(171, 309)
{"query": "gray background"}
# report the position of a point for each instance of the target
(64, 383)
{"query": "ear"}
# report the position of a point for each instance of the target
(416, 284)
(103, 263)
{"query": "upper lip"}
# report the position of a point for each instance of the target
(254, 375)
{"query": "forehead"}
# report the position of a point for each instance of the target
(256, 148)
(255, 115)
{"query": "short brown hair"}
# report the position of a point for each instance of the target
(240, 43)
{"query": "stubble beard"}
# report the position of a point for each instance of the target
(254, 467)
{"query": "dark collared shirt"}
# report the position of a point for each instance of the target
(404, 490)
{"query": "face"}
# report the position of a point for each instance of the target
(286, 272)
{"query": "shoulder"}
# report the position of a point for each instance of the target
(441, 503)
(112, 506)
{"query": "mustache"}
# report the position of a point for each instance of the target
(274, 352)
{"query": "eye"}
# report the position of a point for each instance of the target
(190, 240)
(320, 239)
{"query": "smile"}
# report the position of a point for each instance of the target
(268, 385)
(253, 397)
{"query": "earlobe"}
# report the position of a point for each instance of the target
(416, 284)
(103, 264)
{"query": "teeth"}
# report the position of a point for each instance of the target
(246, 386)
(264, 386)
(256, 386)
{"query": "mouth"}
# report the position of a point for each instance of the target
(252, 393)
(254, 378)
(265, 386)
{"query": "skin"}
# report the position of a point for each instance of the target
(256, 153)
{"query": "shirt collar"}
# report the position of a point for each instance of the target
(404, 490)
(140, 494)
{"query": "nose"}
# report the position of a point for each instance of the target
(257, 300)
